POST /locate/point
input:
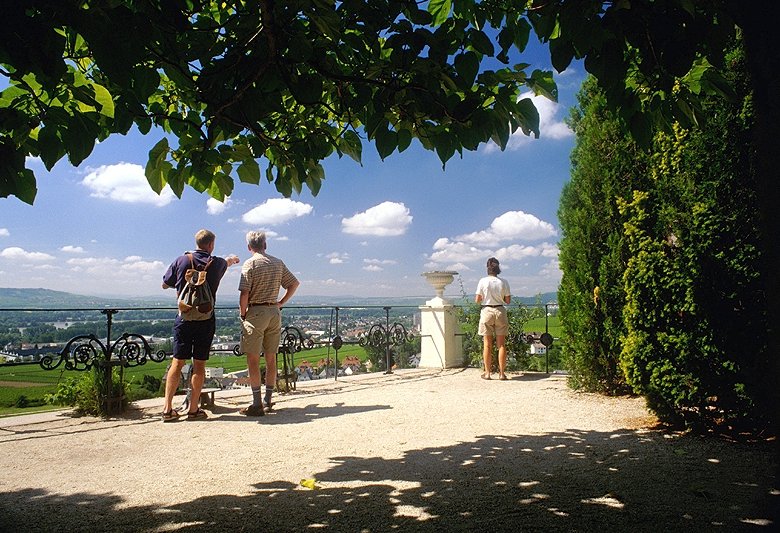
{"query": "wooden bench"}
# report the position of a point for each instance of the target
(206, 393)
(207, 397)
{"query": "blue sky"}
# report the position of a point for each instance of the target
(98, 229)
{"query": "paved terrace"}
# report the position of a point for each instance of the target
(418, 450)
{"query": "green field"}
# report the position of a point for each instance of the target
(537, 324)
(33, 382)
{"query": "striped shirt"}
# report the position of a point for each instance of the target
(262, 275)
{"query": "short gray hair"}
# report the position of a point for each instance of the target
(256, 240)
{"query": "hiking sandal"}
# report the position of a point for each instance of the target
(170, 416)
(197, 415)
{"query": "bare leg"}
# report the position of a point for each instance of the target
(172, 383)
(501, 341)
(198, 375)
(487, 354)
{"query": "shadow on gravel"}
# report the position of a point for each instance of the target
(569, 481)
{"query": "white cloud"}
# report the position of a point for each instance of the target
(215, 207)
(459, 267)
(549, 250)
(512, 225)
(125, 182)
(447, 251)
(276, 211)
(379, 262)
(337, 258)
(550, 125)
(104, 269)
(69, 249)
(4, 232)
(19, 254)
(330, 283)
(551, 270)
(388, 219)
(377, 265)
(503, 240)
(46, 267)
(517, 252)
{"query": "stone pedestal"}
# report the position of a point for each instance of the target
(441, 346)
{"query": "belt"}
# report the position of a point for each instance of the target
(492, 306)
(264, 304)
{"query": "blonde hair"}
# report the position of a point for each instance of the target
(203, 238)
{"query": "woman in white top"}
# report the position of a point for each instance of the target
(492, 293)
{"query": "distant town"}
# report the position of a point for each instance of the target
(51, 318)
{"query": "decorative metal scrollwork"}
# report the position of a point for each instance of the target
(85, 351)
(293, 341)
(134, 350)
(80, 353)
(378, 336)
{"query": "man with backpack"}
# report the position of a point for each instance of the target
(193, 330)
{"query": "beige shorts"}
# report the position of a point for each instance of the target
(493, 321)
(261, 330)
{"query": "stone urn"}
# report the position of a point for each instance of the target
(440, 345)
(440, 279)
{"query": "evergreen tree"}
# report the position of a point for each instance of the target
(606, 164)
(695, 313)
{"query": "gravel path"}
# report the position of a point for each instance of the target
(418, 450)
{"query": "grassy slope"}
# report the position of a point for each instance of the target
(46, 380)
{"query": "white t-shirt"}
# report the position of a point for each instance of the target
(493, 290)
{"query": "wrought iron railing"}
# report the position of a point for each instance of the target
(87, 351)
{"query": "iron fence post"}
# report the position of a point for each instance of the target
(336, 348)
(387, 340)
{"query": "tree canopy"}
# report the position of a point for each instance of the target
(233, 85)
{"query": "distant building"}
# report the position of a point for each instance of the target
(213, 373)
(537, 348)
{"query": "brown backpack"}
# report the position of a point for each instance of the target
(195, 301)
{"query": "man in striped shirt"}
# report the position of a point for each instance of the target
(262, 276)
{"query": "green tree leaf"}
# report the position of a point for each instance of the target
(439, 10)
(249, 171)
(154, 169)
(467, 66)
(386, 141)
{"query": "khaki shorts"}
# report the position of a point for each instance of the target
(493, 320)
(261, 330)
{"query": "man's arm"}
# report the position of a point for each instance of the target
(169, 278)
(243, 304)
(289, 291)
